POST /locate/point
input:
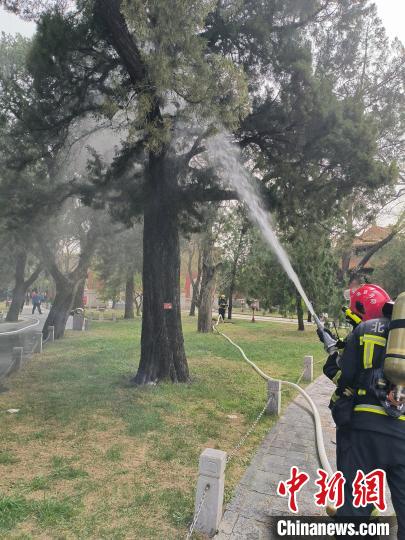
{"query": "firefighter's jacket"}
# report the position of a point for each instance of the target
(364, 352)
(332, 370)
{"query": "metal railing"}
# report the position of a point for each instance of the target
(17, 346)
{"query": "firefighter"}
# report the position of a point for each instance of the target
(377, 427)
(222, 305)
(332, 370)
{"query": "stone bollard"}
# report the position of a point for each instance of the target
(51, 334)
(78, 321)
(17, 358)
(308, 369)
(274, 397)
(38, 341)
(211, 472)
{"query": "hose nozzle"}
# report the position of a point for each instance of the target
(329, 342)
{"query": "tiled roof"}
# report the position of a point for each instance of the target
(371, 236)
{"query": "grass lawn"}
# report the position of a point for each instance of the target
(89, 456)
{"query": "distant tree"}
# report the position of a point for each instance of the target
(234, 243)
(194, 260)
(390, 270)
(313, 259)
(119, 258)
(84, 228)
(210, 266)
(368, 70)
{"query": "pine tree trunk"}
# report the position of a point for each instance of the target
(129, 297)
(195, 299)
(300, 313)
(61, 307)
(231, 290)
(21, 287)
(204, 324)
(138, 305)
(78, 300)
(309, 316)
(16, 303)
(193, 304)
(162, 345)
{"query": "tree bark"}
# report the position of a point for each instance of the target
(309, 316)
(129, 297)
(61, 307)
(207, 285)
(162, 345)
(196, 285)
(20, 287)
(300, 313)
(138, 304)
(78, 299)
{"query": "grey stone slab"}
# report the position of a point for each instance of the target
(228, 522)
(249, 529)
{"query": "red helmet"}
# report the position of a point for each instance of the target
(368, 301)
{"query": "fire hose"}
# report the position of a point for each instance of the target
(317, 418)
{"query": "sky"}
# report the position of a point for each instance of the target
(392, 13)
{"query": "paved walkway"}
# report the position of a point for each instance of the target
(290, 442)
(23, 338)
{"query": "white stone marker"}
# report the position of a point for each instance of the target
(212, 472)
(274, 395)
(309, 368)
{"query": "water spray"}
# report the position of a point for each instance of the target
(225, 156)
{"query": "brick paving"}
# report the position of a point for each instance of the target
(290, 442)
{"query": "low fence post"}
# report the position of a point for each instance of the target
(17, 357)
(38, 341)
(212, 473)
(51, 334)
(87, 323)
(274, 397)
(308, 369)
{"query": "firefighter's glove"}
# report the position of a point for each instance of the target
(321, 334)
(328, 340)
(340, 344)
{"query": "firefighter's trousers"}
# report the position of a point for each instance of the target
(370, 450)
